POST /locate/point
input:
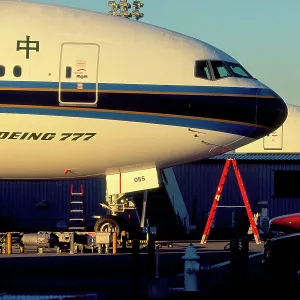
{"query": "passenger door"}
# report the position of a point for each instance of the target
(274, 141)
(78, 76)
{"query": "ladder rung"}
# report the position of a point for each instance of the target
(79, 210)
(76, 227)
(231, 206)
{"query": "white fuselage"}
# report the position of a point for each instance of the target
(54, 116)
(113, 146)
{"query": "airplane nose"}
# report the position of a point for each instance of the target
(272, 111)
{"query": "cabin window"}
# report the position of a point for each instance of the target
(68, 72)
(220, 70)
(285, 184)
(202, 70)
(17, 71)
(2, 71)
(238, 71)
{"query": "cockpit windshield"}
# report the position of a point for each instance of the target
(220, 70)
(238, 70)
(217, 69)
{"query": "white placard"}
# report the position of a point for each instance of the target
(125, 182)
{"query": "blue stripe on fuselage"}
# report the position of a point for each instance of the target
(139, 88)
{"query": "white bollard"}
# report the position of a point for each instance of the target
(191, 269)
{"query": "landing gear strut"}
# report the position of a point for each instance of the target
(117, 205)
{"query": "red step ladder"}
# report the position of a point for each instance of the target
(217, 199)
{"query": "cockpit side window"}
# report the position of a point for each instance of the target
(202, 70)
(238, 70)
(220, 70)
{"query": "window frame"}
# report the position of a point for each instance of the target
(239, 65)
(209, 69)
(226, 67)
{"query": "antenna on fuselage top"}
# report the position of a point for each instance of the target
(122, 9)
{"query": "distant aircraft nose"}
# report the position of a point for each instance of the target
(272, 111)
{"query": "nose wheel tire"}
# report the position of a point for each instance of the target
(108, 224)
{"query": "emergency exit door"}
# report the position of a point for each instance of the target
(78, 76)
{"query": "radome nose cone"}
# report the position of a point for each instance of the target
(271, 112)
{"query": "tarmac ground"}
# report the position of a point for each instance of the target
(111, 276)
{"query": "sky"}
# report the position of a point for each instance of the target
(263, 35)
